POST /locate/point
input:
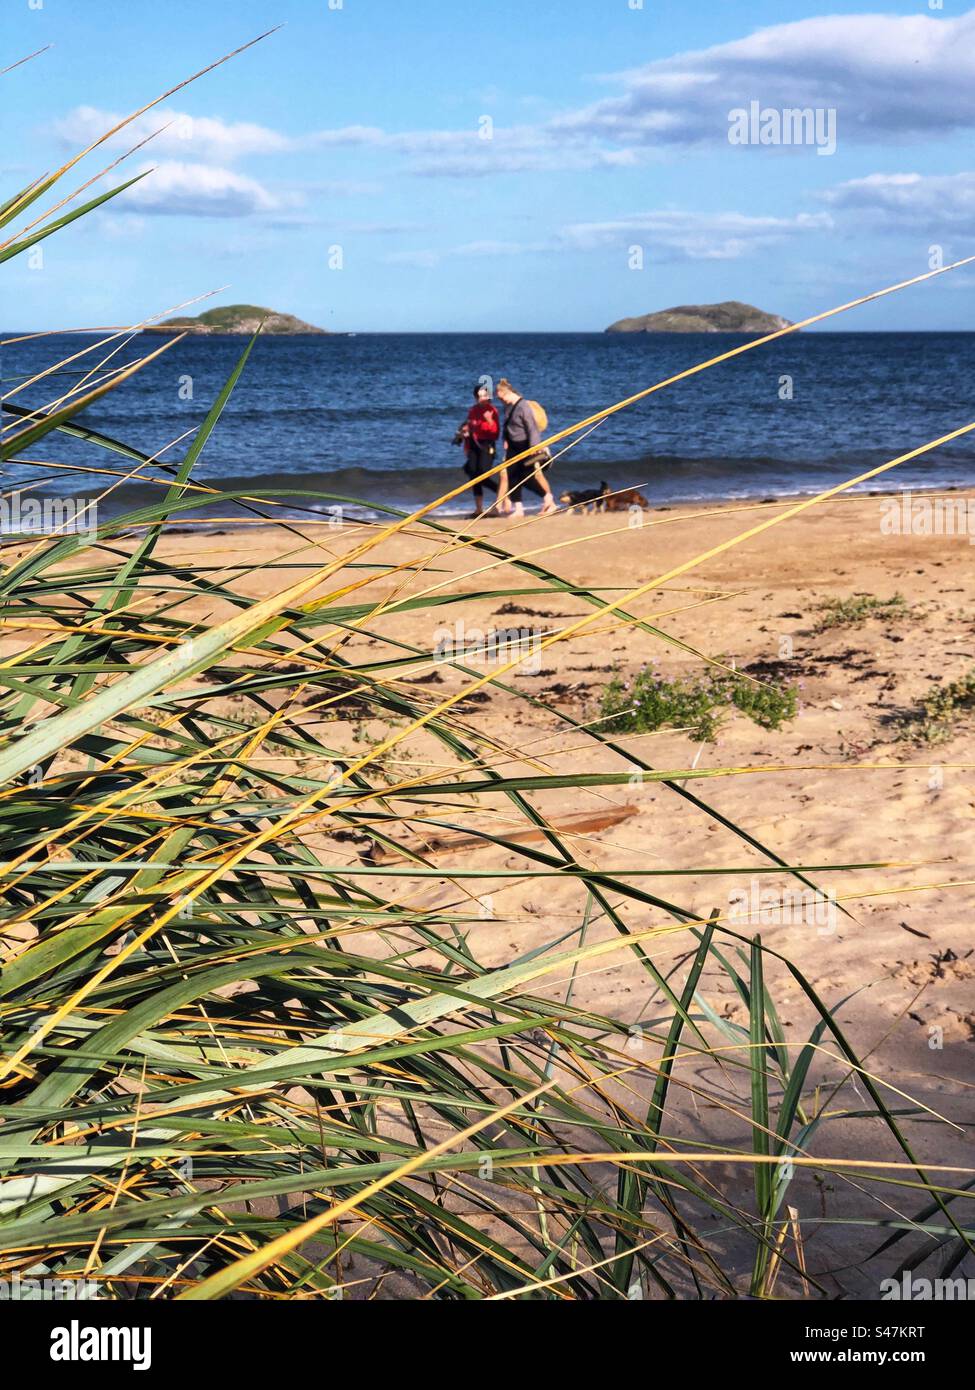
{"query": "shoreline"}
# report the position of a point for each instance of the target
(319, 515)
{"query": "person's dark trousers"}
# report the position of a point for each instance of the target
(478, 461)
(522, 475)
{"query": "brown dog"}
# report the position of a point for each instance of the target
(625, 499)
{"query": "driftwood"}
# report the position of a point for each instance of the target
(578, 823)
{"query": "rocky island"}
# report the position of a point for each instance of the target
(730, 317)
(235, 318)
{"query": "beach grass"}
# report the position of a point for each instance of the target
(245, 1049)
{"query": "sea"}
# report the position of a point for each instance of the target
(366, 421)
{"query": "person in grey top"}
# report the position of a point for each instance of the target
(521, 434)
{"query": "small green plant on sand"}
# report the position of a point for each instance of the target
(852, 611)
(649, 702)
(940, 711)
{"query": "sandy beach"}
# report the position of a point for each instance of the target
(838, 785)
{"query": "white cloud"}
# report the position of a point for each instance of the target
(174, 132)
(473, 152)
(199, 190)
(692, 235)
(924, 201)
(887, 76)
(668, 235)
(526, 151)
(460, 153)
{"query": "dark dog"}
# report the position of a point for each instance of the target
(626, 498)
(594, 499)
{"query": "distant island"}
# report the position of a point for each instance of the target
(236, 318)
(730, 317)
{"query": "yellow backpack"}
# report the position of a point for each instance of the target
(541, 418)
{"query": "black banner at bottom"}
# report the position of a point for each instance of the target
(146, 1337)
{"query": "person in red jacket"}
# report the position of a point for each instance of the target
(479, 434)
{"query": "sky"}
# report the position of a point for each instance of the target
(520, 165)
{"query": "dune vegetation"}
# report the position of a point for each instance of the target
(238, 1058)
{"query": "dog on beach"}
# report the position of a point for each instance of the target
(593, 499)
(623, 500)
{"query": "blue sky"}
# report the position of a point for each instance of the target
(360, 126)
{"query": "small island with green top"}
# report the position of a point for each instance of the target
(238, 319)
(730, 317)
